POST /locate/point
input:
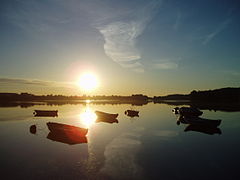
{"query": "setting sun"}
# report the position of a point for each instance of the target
(88, 82)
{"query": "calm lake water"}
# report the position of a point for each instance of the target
(151, 146)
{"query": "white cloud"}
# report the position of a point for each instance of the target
(120, 36)
(165, 65)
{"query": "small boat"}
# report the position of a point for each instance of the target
(103, 115)
(66, 138)
(67, 129)
(199, 121)
(33, 129)
(203, 129)
(132, 113)
(45, 113)
(189, 111)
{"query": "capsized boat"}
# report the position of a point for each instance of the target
(199, 121)
(67, 129)
(189, 111)
(103, 115)
(45, 113)
(66, 137)
(132, 113)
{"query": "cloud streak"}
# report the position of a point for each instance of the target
(34, 82)
(121, 36)
(219, 29)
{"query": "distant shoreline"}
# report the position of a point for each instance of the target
(225, 99)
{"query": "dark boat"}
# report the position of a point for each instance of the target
(132, 113)
(67, 129)
(189, 112)
(203, 129)
(33, 129)
(103, 115)
(199, 121)
(66, 137)
(45, 113)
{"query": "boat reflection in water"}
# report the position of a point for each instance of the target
(203, 129)
(68, 138)
(66, 134)
(107, 120)
(202, 125)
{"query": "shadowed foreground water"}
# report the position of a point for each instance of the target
(151, 146)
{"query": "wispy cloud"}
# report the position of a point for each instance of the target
(219, 29)
(165, 65)
(34, 82)
(120, 36)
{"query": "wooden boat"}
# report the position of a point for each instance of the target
(67, 129)
(199, 121)
(45, 113)
(103, 115)
(203, 129)
(132, 113)
(67, 138)
(189, 111)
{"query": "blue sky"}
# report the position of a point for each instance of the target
(152, 47)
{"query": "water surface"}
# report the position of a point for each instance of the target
(151, 146)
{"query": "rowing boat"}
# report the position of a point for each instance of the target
(131, 113)
(67, 129)
(47, 113)
(189, 112)
(103, 115)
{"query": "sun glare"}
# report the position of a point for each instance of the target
(88, 82)
(88, 117)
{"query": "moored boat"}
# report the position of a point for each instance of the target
(103, 115)
(67, 129)
(189, 111)
(131, 113)
(46, 113)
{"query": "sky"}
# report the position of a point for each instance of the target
(154, 47)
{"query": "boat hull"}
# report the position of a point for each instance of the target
(43, 113)
(189, 112)
(67, 129)
(132, 113)
(103, 115)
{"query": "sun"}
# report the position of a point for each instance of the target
(88, 82)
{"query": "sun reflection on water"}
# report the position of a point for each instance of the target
(88, 117)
